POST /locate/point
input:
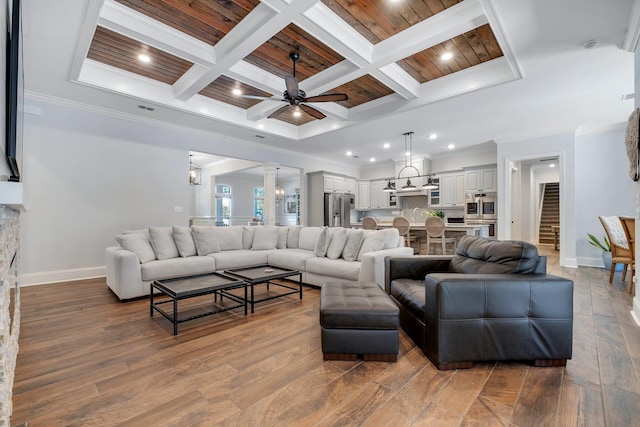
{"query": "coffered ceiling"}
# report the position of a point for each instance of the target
(378, 52)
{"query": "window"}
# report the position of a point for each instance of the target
(258, 203)
(223, 205)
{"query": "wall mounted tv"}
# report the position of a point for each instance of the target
(14, 90)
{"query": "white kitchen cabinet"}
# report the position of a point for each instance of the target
(452, 189)
(435, 195)
(363, 195)
(350, 185)
(337, 184)
(481, 180)
(379, 198)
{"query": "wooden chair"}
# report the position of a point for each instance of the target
(629, 226)
(620, 248)
(369, 223)
(401, 223)
(434, 227)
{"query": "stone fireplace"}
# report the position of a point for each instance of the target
(9, 306)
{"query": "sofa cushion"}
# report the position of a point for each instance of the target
(308, 238)
(481, 255)
(205, 238)
(322, 243)
(139, 244)
(283, 233)
(184, 241)
(177, 267)
(334, 267)
(247, 236)
(264, 238)
(336, 245)
(229, 238)
(410, 294)
(352, 245)
(392, 238)
(239, 258)
(373, 241)
(293, 236)
(162, 242)
(292, 259)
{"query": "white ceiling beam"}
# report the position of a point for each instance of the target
(633, 29)
(398, 80)
(85, 38)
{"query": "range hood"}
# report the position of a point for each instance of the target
(416, 192)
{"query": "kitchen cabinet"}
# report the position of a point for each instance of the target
(319, 183)
(452, 189)
(379, 198)
(435, 195)
(481, 180)
(350, 185)
(333, 184)
(363, 195)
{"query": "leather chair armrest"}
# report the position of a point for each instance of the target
(414, 267)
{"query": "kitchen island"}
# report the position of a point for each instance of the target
(417, 231)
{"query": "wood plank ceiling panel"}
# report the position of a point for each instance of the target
(287, 116)
(361, 90)
(208, 21)
(469, 49)
(222, 87)
(377, 20)
(273, 55)
(122, 52)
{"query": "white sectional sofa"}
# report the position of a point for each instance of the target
(322, 254)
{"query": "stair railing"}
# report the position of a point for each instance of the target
(540, 205)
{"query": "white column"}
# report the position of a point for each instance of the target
(269, 193)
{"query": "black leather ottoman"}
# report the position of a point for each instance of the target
(358, 320)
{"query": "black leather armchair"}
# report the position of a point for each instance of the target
(491, 301)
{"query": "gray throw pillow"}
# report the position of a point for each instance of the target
(374, 241)
(293, 237)
(352, 245)
(322, 243)
(205, 239)
(336, 245)
(247, 236)
(162, 242)
(139, 244)
(229, 238)
(283, 233)
(264, 238)
(184, 241)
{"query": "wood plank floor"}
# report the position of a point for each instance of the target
(88, 360)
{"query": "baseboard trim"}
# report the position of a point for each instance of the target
(57, 276)
(590, 262)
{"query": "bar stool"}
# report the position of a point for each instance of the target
(369, 223)
(401, 223)
(434, 227)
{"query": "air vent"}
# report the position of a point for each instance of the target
(627, 96)
(260, 136)
(549, 159)
(145, 107)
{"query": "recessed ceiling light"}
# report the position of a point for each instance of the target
(373, 159)
(407, 153)
(236, 91)
(552, 165)
(260, 126)
(446, 56)
(349, 153)
(386, 145)
(451, 146)
(143, 57)
(433, 136)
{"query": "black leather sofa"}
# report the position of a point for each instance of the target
(491, 301)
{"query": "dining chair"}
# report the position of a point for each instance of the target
(629, 226)
(369, 223)
(620, 248)
(403, 226)
(435, 227)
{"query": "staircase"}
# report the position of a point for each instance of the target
(550, 214)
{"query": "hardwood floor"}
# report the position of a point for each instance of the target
(88, 360)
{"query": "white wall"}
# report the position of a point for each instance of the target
(603, 187)
(4, 167)
(90, 175)
(455, 161)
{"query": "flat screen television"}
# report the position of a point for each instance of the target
(14, 90)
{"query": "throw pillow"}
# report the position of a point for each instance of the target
(184, 241)
(139, 244)
(293, 237)
(308, 238)
(229, 238)
(247, 236)
(205, 239)
(393, 238)
(283, 233)
(373, 242)
(352, 245)
(264, 238)
(322, 243)
(162, 242)
(336, 245)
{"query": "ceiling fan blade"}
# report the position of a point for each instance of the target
(262, 98)
(330, 97)
(312, 112)
(277, 112)
(292, 85)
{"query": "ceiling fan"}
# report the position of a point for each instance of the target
(297, 97)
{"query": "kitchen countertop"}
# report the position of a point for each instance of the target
(420, 226)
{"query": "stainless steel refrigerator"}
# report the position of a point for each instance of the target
(337, 210)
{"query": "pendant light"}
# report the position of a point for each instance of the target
(195, 172)
(408, 148)
(390, 188)
(279, 189)
(430, 184)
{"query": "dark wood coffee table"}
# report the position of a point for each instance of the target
(195, 286)
(265, 274)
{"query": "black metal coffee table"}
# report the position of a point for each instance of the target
(265, 274)
(195, 286)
